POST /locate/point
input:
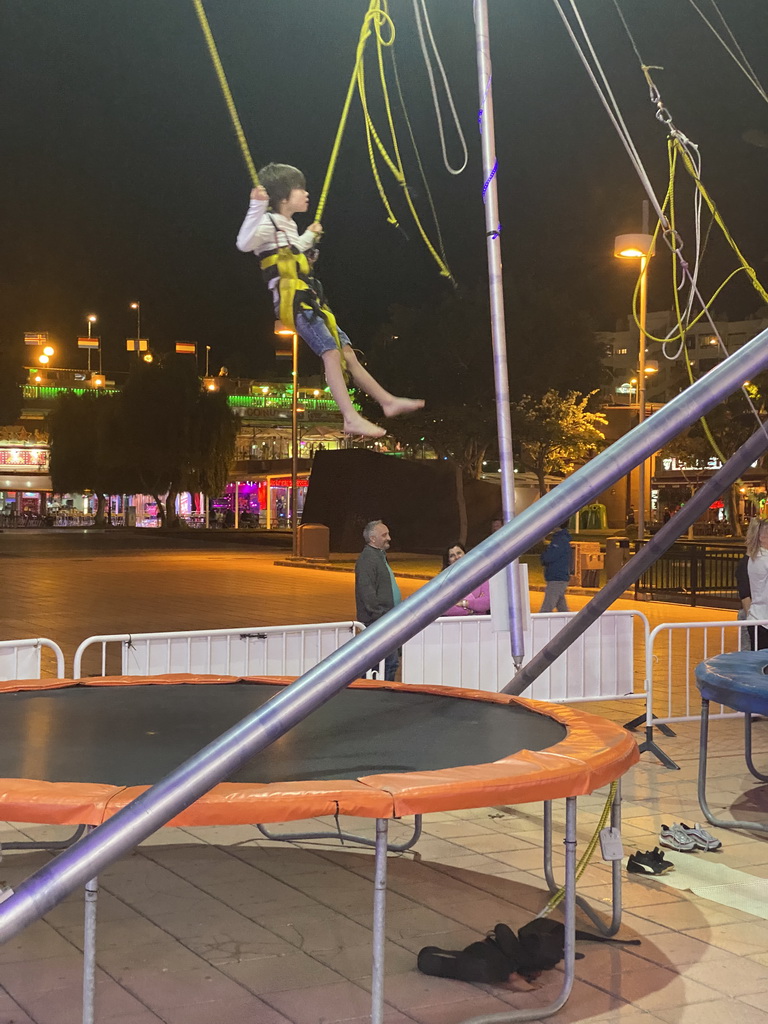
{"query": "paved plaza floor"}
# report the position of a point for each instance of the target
(218, 925)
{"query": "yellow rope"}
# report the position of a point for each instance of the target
(226, 92)
(377, 20)
(586, 857)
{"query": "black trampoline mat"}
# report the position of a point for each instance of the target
(135, 735)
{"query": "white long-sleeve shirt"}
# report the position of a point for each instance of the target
(261, 233)
(758, 585)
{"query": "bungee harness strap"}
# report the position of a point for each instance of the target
(292, 271)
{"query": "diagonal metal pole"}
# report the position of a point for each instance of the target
(158, 805)
(498, 325)
(738, 463)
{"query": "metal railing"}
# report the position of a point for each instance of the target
(23, 659)
(674, 650)
(693, 573)
(249, 651)
(466, 652)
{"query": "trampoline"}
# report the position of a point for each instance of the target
(739, 680)
(75, 752)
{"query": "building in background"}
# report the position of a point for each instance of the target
(670, 481)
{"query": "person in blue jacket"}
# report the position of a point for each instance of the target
(556, 559)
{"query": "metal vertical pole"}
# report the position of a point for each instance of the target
(379, 917)
(498, 327)
(89, 947)
(89, 350)
(641, 479)
(295, 446)
(237, 504)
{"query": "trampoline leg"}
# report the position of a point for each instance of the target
(582, 903)
(344, 837)
(748, 749)
(61, 844)
(379, 918)
(616, 870)
(753, 826)
(89, 950)
(569, 960)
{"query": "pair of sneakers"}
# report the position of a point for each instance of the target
(686, 838)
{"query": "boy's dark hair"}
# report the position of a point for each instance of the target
(279, 180)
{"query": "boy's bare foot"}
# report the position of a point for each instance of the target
(359, 425)
(400, 406)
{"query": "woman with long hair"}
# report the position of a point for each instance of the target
(476, 603)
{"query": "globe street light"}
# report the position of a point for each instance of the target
(45, 356)
(634, 247)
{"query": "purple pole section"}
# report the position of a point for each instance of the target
(498, 325)
(143, 816)
(738, 463)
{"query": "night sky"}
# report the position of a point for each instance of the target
(121, 178)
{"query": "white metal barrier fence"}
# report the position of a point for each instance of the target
(466, 652)
(268, 650)
(674, 650)
(23, 659)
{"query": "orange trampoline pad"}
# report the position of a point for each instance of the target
(589, 752)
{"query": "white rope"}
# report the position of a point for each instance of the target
(740, 59)
(611, 106)
(419, 14)
(674, 243)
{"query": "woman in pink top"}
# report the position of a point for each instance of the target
(476, 603)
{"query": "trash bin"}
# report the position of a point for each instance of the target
(617, 554)
(591, 564)
(314, 541)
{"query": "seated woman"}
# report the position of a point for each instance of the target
(476, 603)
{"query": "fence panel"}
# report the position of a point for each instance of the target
(466, 652)
(23, 659)
(271, 650)
(694, 573)
(673, 652)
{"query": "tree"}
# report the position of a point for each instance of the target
(164, 434)
(556, 432)
(86, 452)
(729, 424)
(178, 437)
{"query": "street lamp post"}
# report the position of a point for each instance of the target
(639, 246)
(282, 331)
(137, 306)
(91, 320)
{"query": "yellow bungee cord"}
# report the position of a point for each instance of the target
(226, 92)
(377, 22)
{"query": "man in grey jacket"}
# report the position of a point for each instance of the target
(376, 590)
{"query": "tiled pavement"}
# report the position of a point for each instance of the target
(207, 926)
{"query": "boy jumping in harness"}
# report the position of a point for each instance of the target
(269, 231)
